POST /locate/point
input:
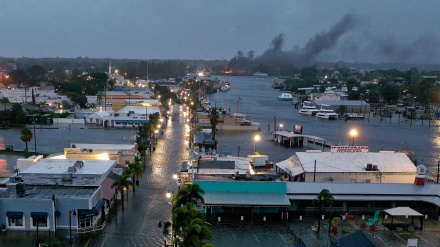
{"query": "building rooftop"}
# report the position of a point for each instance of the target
(58, 166)
(103, 146)
(46, 192)
(355, 162)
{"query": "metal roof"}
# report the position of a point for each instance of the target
(302, 188)
(37, 192)
(402, 211)
(355, 162)
(291, 166)
(366, 192)
(290, 135)
(246, 199)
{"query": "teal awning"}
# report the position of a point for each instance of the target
(246, 199)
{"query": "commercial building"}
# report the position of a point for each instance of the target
(55, 194)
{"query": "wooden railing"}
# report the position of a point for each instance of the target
(91, 228)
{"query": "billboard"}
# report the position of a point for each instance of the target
(349, 149)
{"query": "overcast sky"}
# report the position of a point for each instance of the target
(384, 31)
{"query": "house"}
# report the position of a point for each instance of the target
(130, 116)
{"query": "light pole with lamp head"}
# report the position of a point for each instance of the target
(256, 138)
(353, 134)
(166, 226)
(35, 138)
(71, 212)
(146, 113)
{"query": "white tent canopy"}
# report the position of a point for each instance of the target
(402, 211)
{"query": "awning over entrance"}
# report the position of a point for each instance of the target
(14, 214)
(39, 214)
(91, 212)
(402, 211)
(246, 199)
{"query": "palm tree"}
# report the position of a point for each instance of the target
(122, 183)
(26, 136)
(213, 119)
(192, 193)
(324, 197)
(135, 169)
(189, 227)
(4, 101)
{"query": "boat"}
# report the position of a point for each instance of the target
(354, 116)
(308, 108)
(277, 84)
(225, 87)
(285, 96)
(326, 113)
(260, 74)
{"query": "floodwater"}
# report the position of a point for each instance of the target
(259, 101)
(138, 224)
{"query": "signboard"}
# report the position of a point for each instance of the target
(127, 152)
(207, 157)
(70, 235)
(349, 149)
(118, 171)
(297, 129)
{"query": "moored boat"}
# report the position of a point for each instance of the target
(277, 84)
(326, 113)
(354, 116)
(308, 108)
(285, 96)
(260, 74)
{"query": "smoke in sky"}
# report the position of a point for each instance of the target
(350, 41)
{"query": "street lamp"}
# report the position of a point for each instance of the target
(281, 126)
(166, 227)
(353, 134)
(256, 138)
(71, 212)
(146, 113)
(35, 139)
(169, 194)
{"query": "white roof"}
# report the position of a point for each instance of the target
(355, 162)
(104, 146)
(291, 166)
(139, 109)
(100, 114)
(403, 211)
(57, 166)
(290, 135)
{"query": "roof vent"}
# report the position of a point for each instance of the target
(67, 177)
(20, 187)
(369, 167)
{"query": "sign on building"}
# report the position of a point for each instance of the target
(118, 171)
(349, 149)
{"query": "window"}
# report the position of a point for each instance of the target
(15, 221)
(85, 222)
(199, 205)
(42, 221)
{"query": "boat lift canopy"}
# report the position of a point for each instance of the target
(282, 135)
